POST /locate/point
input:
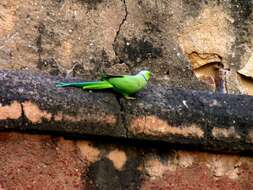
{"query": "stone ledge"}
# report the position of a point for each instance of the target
(218, 122)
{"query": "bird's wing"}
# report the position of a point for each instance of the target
(108, 76)
(128, 84)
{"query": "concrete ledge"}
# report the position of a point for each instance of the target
(218, 122)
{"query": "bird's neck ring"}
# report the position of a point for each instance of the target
(144, 77)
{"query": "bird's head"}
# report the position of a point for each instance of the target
(146, 74)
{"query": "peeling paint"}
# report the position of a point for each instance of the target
(224, 166)
(155, 168)
(220, 165)
(201, 59)
(247, 70)
(88, 151)
(12, 111)
(225, 133)
(152, 125)
(34, 113)
(246, 85)
(205, 35)
(246, 76)
(204, 171)
(118, 158)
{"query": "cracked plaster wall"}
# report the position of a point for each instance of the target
(83, 38)
(86, 38)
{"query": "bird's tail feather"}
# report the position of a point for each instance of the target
(95, 85)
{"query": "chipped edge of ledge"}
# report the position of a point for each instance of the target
(35, 115)
(139, 125)
(152, 125)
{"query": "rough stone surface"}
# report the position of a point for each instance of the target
(160, 113)
(98, 113)
(194, 115)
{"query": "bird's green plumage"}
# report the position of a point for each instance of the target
(96, 85)
(124, 84)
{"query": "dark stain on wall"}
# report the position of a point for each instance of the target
(138, 50)
(46, 63)
(103, 176)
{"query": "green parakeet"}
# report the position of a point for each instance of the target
(126, 85)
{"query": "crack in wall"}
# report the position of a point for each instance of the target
(123, 118)
(122, 108)
(118, 32)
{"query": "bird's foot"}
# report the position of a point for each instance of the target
(129, 98)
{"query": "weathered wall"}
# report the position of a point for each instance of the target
(171, 38)
(46, 162)
(185, 43)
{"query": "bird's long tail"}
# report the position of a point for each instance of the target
(95, 85)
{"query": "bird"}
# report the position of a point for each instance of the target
(126, 85)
